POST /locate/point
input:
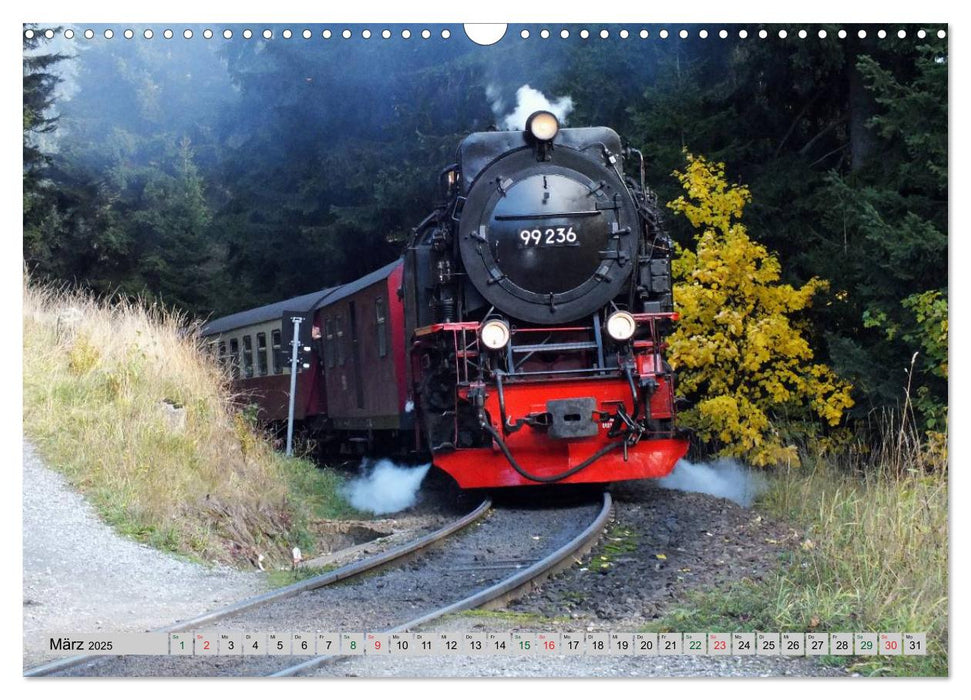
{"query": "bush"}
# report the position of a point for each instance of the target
(740, 354)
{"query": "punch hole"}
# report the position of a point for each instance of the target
(723, 34)
(545, 34)
(921, 33)
(129, 34)
(89, 34)
(822, 34)
(683, 34)
(487, 34)
(287, 34)
(306, 34)
(386, 34)
(783, 33)
(68, 33)
(803, 33)
(663, 34)
(168, 33)
(49, 34)
(584, 34)
(405, 33)
(148, 34)
(346, 33)
(841, 33)
(227, 34)
(29, 33)
(187, 34)
(524, 34)
(446, 34)
(624, 33)
(565, 34)
(941, 34)
(366, 34)
(763, 34)
(247, 33)
(901, 34)
(109, 34)
(861, 34)
(207, 33)
(703, 34)
(742, 34)
(882, 34)
(644, 34)
(267, 34)
(425, 34)
(327, 34)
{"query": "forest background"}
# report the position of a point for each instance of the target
(217, 175)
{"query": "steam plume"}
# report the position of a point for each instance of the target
(724, 478)
(528, 100)
(386, 487)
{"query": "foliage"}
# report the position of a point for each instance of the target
(739, 352)
(39, 122)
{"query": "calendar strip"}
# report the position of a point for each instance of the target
(204, 643)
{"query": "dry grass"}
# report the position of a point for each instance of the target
(874, 556)
(120, 399)
(871, 553)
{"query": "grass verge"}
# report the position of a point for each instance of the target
(122, 399)
(872, 558)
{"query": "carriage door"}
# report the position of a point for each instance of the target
(356, 357)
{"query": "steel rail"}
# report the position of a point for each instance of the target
(505, 587)
(326, 579)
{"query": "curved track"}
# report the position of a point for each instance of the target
(357, 568)
(504, 588)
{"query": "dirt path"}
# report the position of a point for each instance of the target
(81, 576)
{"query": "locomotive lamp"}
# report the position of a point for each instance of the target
(621, 326)
(543, 126)
(494, 334)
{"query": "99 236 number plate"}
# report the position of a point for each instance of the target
(549, 237)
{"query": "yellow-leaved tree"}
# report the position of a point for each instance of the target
(738, 354)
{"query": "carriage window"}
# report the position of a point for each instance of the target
(222, 353)
(329, 342)
(234, 356)
(340, 340)
(261, 353)
(248, 355)
(277, 359)
(381, 325)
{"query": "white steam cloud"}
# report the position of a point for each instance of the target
(528, 100)
(386, 487)
(724, 478)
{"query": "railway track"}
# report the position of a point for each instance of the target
(358, 568)
(507, 587)
(508, 552)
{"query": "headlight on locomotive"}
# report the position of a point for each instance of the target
(494, 334)
(621, 326)
(543, 126)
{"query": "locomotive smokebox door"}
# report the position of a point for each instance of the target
(572, 418)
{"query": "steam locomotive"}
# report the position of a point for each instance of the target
(518, 341)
